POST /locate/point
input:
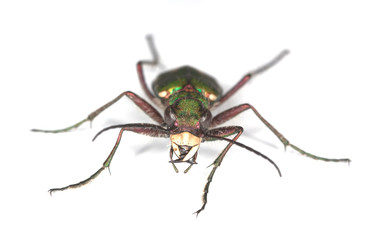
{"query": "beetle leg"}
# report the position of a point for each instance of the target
(232, 112)
(140, 102)
(226, 131)
(145, 129)
(221, 134)
(250, 75)
(76, 125)
(154, 62)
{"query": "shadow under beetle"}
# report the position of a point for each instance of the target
(187, 95)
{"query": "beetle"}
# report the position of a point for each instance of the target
(187, 96)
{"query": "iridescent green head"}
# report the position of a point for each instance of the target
(188, 94)
(187, 121)
(188, 114)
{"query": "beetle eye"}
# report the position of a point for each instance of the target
(205, 120)
(169, 116)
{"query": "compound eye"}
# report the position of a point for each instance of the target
(212, 97)
(169, 116)
(164, 94)
(205, 119)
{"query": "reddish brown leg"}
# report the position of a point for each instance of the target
(140, 102)
(222, 132)
(141, 128)
(250, 75)
(154, 62)
(232, 112)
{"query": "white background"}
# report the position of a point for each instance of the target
(60, 60)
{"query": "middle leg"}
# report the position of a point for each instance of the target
(140, 102)
(232, 112)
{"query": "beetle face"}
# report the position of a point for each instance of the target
(186, 129)
(185, 146)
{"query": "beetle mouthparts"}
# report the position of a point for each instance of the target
(185, 146)
(187, 154)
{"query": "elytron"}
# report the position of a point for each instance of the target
(187, 96)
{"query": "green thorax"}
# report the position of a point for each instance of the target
(173, 85)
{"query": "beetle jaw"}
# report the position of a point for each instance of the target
(185, 146)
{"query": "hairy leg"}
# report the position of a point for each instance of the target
(145, 129)
(232, 112)
(140, 102)
(154, 62)
(225, 131)
(250, 75)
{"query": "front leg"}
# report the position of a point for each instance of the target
(221, 134)
(212, 135)
(141, 128)
(232, 112)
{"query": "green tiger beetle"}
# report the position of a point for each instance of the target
(187, 96)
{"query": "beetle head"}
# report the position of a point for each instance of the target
(187, 121)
